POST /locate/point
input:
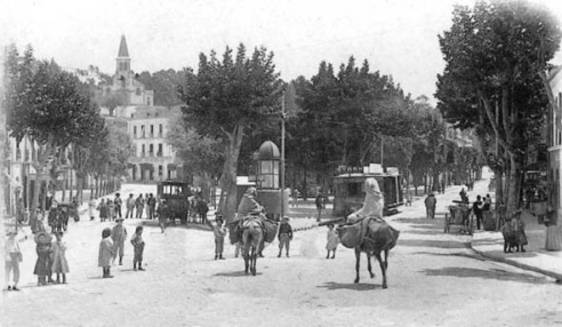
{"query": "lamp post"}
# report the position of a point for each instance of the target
(282, 170)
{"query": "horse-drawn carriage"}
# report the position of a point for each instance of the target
(176, 194)
(459, 215)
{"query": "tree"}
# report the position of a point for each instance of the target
(165, 84)
(228, 98)
(46, 104)
(492, 78)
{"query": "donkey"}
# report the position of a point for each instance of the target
(375, 239)
(252, 238)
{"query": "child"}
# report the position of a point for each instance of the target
(285, 236)
(106, 253)
(220, 232)
(333, 241)
(43, 263)
(102, 207)
(138, 246)
(91, 208)
(111, 209)
(60, 265)
(12, 260)
(119, 235)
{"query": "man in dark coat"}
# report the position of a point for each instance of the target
(430, 203)
(477, 210)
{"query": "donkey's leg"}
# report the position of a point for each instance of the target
(357, 260)
(386, 259)
(254, 259)
(383, 269)
(369, 265)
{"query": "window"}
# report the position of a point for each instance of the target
(135, 131)
(151, 150)
(160, 130)
(142, 131)
(143, 151)
(160, 171)
(148, 101)
(151, 130)
(138, 91)
(159, 150)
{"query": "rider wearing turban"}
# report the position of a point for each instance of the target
(373, 203)
(249, 205)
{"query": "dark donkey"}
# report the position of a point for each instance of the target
(372, 236)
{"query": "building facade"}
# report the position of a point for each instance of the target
(147, 125)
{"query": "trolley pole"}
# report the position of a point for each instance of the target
(282, 168)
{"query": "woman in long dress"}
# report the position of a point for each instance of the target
(373, 203)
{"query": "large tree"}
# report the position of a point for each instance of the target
(49, 106)
(228, 98)
(492, 78)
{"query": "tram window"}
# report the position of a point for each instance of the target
(354, 189)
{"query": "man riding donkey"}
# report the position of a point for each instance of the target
(366, 231)
(251, 229)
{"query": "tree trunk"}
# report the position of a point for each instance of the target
(514, 185)
(228, 178)
(63, 188)
(71, 188)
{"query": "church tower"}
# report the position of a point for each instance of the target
(123, 61)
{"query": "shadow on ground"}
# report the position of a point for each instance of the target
(154, 223)
(349, 286)
(434, 244)
(497, 274)
(454, 254)
(238, 273)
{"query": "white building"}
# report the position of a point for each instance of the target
(555, 138)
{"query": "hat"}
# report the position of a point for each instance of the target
(285, 218)
(43, 238)
(119, 219)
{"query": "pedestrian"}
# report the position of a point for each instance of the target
(139, 204)
(487, 203)
(430, 203)
(138, 248)
(285, 236)
(54, 219)
(12, 259)
(203, 209)
(219, 232)
(106, 253)
(319, 205)
(464, 196)
(119, 235)
(104, 210)
(43, 263)
(91, 208)
(118, 202)
(110, 210)
(146, 206)
(477, 210)
(60, 264)
(332, 241)
(296, 195)
(130, 206)
(163, 214)
(151, 206)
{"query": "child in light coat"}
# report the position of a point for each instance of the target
(60, 264)
(106, 253)
(332, 242)
(12, 260)
(220, 232)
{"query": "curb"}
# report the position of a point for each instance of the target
(556, 276)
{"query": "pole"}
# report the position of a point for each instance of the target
(382, 152)
(3, 152)
(282, 168)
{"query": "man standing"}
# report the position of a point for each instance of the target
(151, 202)
(130, 206)
(139, 204)
(319, 205)
(118, 202)
(118, 235)
(285, 236)
(430, 203)
(477, 210)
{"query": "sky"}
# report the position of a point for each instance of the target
(396, 37)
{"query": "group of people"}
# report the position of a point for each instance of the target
(111, 209)
(112, 246)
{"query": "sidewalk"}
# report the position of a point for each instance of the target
(536, 258)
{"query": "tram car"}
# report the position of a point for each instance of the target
(350, 192)
(177, 196)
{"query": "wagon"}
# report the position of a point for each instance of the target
(459, 216)
(176, 195)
